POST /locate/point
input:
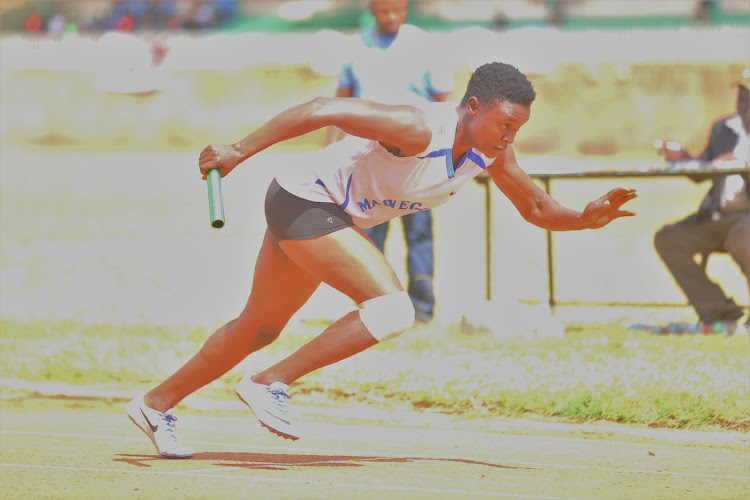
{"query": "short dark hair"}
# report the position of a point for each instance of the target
(499, 82)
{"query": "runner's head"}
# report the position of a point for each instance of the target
(499, 82)
(496, 104)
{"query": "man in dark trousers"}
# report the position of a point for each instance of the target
(721, 224)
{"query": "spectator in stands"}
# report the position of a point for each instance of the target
(721, 224)
(393, 66)
(202, 15)
(704, 11)
(122, 17)
(555, 12)
(33, 23)
(128, 15)
(500, 21)
(226, 10)
(56, 24)
(160, 15)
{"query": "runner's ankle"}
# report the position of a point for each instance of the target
(156, 403)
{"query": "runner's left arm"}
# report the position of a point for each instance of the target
(540, 209)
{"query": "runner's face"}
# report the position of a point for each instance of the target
(495, 125)
(389, 15)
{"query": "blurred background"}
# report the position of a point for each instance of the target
(617, 73)
(106, 104)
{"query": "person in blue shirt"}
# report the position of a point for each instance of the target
(392, 63)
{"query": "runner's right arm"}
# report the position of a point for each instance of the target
(398, 127)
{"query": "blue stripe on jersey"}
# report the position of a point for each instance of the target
(448, 153)
(448, 159)
(471, 155)
(348, 188)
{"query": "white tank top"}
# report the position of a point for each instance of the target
(373, 186)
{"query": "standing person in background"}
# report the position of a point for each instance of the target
(392, 65)
(33, 23)
(721, 224)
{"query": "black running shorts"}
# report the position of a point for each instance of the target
(293, 218)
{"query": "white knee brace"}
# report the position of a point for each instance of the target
(387, 316)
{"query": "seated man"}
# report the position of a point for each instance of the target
(721, 224)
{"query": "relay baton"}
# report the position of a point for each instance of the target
(215, 200)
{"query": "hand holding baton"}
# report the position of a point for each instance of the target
(215, 200)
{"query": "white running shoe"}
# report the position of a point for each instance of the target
(268, 402)
(159, 427)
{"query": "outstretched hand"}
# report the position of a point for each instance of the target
(604, 210)
(221, 156)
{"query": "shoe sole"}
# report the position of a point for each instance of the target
(142, 425)
(263, 424)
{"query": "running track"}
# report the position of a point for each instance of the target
(78, 447)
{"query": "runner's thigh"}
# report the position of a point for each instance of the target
(346, 260)
(280, 287)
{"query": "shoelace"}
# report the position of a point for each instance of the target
(170, 420)
(278, 399)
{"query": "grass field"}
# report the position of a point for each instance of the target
(111, 274)
(593, 372)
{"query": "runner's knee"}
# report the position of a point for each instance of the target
(387, 316)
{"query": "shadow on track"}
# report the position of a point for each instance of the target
(283, 461)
